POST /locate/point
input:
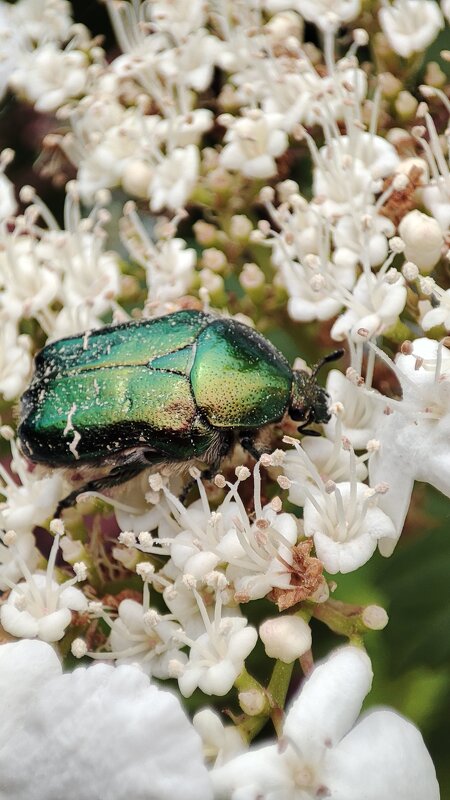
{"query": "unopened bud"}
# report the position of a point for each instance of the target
(406, 105)
(285, 638)
(205, 233)
(252, 702)
(423, 239)
(375, 618)
(214, 259)
(240, 227)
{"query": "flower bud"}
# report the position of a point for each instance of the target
(136, 179)
(240, 227)
(423, 239)
(252, 702)
(205, 233)
(375, 618)
(285, 638)
(214, 259)
(406, 105)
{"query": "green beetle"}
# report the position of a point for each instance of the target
(160, 391)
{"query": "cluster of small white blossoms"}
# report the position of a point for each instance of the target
(223, 161)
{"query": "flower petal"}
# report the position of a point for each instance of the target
(383, 756)
(104, 715)
(36, 663)
(330, 700)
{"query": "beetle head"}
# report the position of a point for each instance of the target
(309, 401)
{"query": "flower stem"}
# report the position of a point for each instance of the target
(274, 699)
(341, 618)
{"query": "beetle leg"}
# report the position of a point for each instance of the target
(118, 475)
(248, 443)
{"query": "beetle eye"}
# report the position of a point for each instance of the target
(298, 414)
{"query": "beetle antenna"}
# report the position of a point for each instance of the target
(334, 356)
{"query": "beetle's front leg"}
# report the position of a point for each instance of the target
(248, 443)
(120, 474)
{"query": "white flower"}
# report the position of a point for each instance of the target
(105, 137)
(171, 270)
(423, 239)
(357, 415)
(174, 179)
(185, 129)
(414, 434)
(194, 60)
(182, 603)
(65, 266)
(342, 518)
(445, 6)
(259, 555)
(362, 236)
(346, 525)
(40, 607)
(255, 553)
(312, 290)
(374, 305)
(410, 25)
(140, 635)
(323, 11)
(91, 278)
(435, 192)
(322, 755)
(22, 549)
(217, 657)
(84, 735)
(298, 95)
(439, 315)
(48, 76)
(10, 44)
(178, 19)
(168, 263)
(330, 459)
(253, 143)
(285, 637)
(43, 20)
(347, 171)
(301, 251)
(299, 226)
(8, 202)
(29, 284)
(220, 742)
(15, 359)
(30, 502)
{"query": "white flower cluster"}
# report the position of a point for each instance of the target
(223, 161)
